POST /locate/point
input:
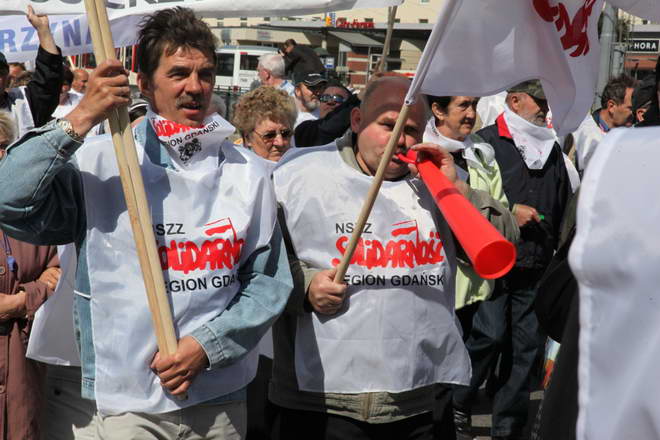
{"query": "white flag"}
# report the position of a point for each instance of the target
(19, 41)
(481, 47)
(615, 257)
(649, 9)
(207, 8)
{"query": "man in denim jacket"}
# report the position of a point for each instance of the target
(224, 295)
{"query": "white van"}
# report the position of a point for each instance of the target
(237, 65)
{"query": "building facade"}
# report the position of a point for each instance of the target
(350, 42)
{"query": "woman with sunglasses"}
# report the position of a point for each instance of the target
(264, 118)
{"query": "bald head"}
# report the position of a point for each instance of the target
(80, 78)
(388, 93)
(374, 121)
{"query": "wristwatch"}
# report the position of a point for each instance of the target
(66, 126)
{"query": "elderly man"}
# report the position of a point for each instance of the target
(308, 89)
(80, 80)
(271, 73)
(220, 248)
(359, 359)
(336, 104)
(32, 106)
(537, 187)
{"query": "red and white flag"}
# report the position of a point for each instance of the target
(481, 47)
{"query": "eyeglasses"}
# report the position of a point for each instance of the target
(337, 99)
(270, 136)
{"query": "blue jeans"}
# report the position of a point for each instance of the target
(505, 325)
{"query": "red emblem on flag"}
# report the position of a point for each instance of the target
(574, 30)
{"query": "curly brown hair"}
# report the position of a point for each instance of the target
(264, 103)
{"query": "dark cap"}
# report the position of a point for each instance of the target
(3, 61)
(532, 88)
(310, 79)
(644, 92)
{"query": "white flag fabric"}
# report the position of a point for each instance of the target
(19, 41)
(615, 257)
(207, 8)
(649, 9)
(481, 47)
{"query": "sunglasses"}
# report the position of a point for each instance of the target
(337, 99)
(270, 136)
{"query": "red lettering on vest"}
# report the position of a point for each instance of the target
(219, 253)
(169, 128)
(394, 253)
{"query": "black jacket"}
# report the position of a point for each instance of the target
(547, 190)
(325, 130)
(43, 91)
(302, 60)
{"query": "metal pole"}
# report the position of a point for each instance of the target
(607, 38)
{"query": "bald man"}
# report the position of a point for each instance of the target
(80, 79)
(359, 359)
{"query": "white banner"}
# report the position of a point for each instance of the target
(19, 41)
(207, 8)
(615, 257)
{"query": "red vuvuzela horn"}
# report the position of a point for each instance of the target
(491, 254)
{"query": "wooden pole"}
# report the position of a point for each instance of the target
(372, 194)
(133, 186)
(382, 65)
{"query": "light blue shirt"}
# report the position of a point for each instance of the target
(44, 204)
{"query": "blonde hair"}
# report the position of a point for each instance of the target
(264, 103)
(7, 126)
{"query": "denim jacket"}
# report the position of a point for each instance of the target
(44, 204)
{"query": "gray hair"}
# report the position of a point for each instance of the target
(218, 105)
(274, 63)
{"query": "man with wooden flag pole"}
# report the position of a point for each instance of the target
(360, 348)
(218, 246)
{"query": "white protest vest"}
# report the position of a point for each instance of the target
(207, 224)
(64, 109)
(396, 330)
(615, 257)
(20, 111)
(586, 139)
(52, 338)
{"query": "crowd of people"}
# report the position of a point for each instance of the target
(251, 220)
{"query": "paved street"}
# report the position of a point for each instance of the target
(481, 419)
